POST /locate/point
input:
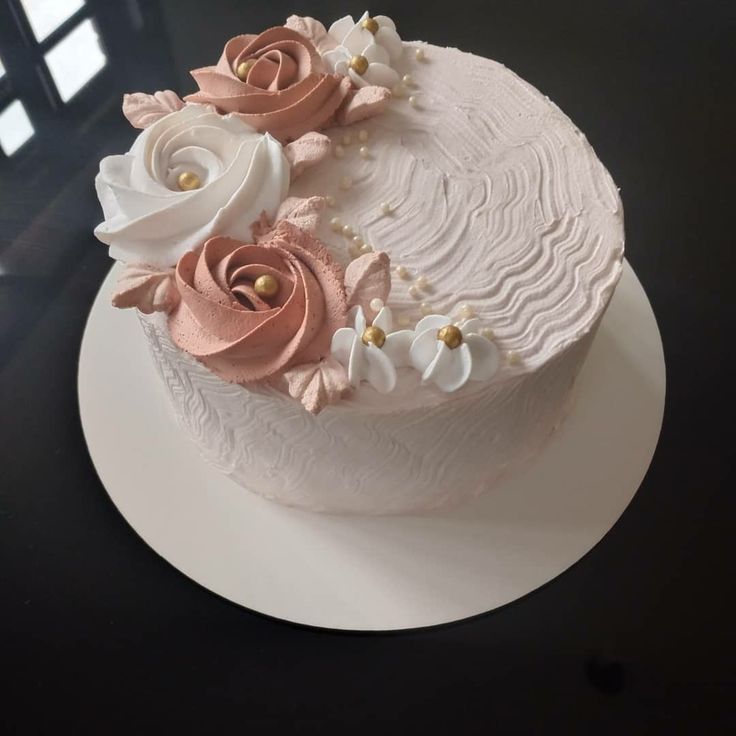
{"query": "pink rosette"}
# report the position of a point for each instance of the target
(247, 338)
(276, 81)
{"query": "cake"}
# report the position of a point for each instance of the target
(368, 270)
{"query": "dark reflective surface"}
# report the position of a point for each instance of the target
(97, 631)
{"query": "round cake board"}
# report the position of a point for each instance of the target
(375, 573)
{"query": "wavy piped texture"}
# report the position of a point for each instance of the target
(500, 202)
(347, 460)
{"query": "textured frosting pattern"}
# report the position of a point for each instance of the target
(497, 199)
(347, 460)
(500, 203)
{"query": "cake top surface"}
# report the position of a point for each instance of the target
(479, 234)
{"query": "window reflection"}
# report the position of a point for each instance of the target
(15, 127)
(2, 69)
(45, 16)
(76, 59)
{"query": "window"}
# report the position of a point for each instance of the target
(15, 127)
(76, 59)
(45, 16)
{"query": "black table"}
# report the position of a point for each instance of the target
(99, 635)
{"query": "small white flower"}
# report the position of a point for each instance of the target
(378, 49)
(449, 355)
(372, 352)
(355, 36)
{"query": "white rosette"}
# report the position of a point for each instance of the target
(149, 219)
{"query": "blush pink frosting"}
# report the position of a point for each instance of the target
(242, 337)
(288, 90)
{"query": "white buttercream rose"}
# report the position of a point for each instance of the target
(231, 174)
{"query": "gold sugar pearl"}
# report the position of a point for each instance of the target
(451, 336)
(374, 335)
(359, 64)
(243, 68)
(266, 286)
(370, 25)
(188, 181)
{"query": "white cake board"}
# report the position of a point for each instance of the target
(374, 573)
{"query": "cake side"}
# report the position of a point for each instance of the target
(347, 460)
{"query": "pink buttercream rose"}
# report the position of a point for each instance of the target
(276, 81)
(242, 337)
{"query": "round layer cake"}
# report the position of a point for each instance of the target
(490, 202)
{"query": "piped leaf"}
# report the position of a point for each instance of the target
(313, 30)
(142, 110)
(365, 103)
(306, 151)
(146, 288)
(368, 278)
(318, 384)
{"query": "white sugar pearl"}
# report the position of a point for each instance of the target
(398, 90)
(347, 139)
(339, 152)
(366, 248)
(357, 241)
(401, 272)
(363, 135)
(422, 282)
(414, 292)
(413, 101)
(407, 80)
(330, 200)
(426, 308)
(376, 305)
(513, 357)
(403, 320)
(386, 208)
(488, 333)
(346, 182)
(336, 224)
(419, 54)
(466, 311)
(364, 152)
(347, 231)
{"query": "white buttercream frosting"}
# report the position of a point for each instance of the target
(365, 361)
(379, 49)
(450, 368)
(149, 219)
